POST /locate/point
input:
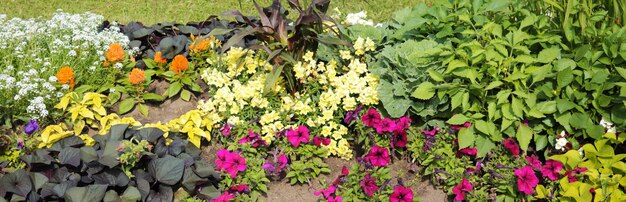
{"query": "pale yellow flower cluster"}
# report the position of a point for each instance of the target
(362, 45)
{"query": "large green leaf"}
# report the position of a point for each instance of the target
(131, 194)
(549, 55)
(424, 91)
(484, 145)
(466, 137)
(167, 170)
(524, 135)
(126, 105)
(394, 105)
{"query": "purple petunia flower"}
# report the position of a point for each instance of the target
(31, 127)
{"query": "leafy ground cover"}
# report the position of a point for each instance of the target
(488, 100)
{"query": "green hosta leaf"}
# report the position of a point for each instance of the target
(458, 119)
(424, 91)
(153, 97)
(549, 55)
(524, 135)
(126, 105)
(466, 137)
(484, 145)
(167, 170)
(396, 106)
(621, 72)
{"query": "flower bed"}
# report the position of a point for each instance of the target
(491, 99)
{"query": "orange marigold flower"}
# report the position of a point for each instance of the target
(159, 59)
(65, 75)
(115, 53)
(199, 44)
(136, 76)
(179, 64)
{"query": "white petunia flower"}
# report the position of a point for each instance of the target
(560, 144)
(607, 125)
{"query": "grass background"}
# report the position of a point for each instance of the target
(153, 11)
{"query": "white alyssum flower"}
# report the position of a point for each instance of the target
(118, 65)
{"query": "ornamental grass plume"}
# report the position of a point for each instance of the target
(65, 75)
(179, 64)
(159, 59)
(115, 53)
(136, 76)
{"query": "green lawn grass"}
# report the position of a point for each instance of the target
(152, 11)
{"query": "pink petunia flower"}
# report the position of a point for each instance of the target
(240, 188)
(461, 189)
(253, 138)
(335, 199)
(512, 146)
(371, 118)
(403, 123)
(571, 174)
(326, 192)
(551, 169)
(225, 197)
(282, 161)
(368, 183)
(401, 194)
(225, 130)
(300, 135)
(318, 141)
(399, 139)
(386, 125)
(231, 162)
(533, 161)
(526, 180)
(430, 132)
(221, 158)
(467, 152)
(378, 156)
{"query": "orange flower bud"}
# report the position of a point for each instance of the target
(179, 64)
(136, 76)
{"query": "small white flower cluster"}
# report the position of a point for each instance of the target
(360, 18)
(608, 126)
(561, 142)
(32, 51)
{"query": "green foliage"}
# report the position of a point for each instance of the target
(128, 164)
(504, 64)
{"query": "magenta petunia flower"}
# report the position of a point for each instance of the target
(551, 169)
(399, 139)
(282, 161)
(459, 127)
(401, 194)
(300, 135)
(461, 189)
(512, 146)
(378, 156)
(385, 125)
(240, 188)
(225, 197)
(430, 132)
(319, 141)
(526, 180)
(371, 118)
(571, 174)
(533, 161)
(326, 192)
(403, 123)
(231, 162)
(236, 164)
(253, 138)
(368, 183)
(335, 199)
(467, 151)
(225, 130)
